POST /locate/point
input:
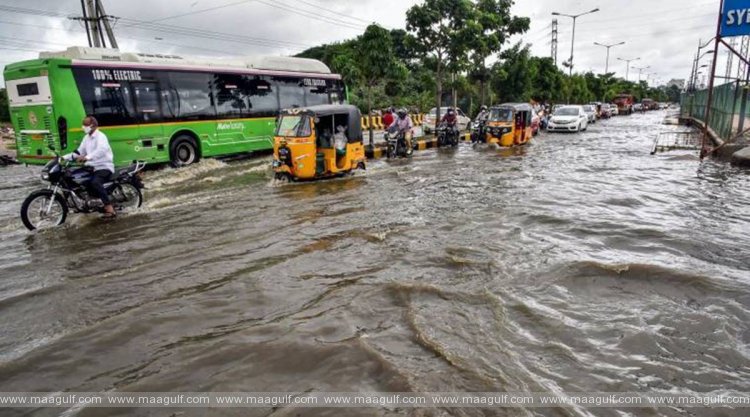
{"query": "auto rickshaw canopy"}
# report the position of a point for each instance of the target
(351, 113)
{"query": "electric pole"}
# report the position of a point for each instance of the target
(554, 41)
(573, 40)
(97, 22)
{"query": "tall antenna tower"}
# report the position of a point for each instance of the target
(97, 23)
(730, 55)
(741, 67)
(554, 41)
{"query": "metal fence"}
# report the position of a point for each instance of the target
(728, 110)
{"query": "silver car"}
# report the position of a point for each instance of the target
(590, 112)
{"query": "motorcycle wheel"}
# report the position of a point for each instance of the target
(35, 214)
(126, 197)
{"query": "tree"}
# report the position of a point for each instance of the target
(548, 80)
(496, 25)
(512, 78)
(374, 62)
(439, 29)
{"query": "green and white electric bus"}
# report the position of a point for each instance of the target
(159, 108)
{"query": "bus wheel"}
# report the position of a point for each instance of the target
(183, 151)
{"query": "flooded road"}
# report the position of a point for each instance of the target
(578, 263)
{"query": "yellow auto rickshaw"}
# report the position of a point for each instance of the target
(509, 124)
(318, 142)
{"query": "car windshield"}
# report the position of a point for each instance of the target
(502, 114)
(567, 111)
(443, 110)
(294, 126)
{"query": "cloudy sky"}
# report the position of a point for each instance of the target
(663, 34)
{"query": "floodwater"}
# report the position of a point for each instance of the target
(578, 263)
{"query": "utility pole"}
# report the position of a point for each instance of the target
(606, 65)
(554, 41)
(627, 70)
(573, 41)
(97, 23)
(107, 26)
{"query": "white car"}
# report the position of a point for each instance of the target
(613, 109)
(568, 119)
(590, 110)
(429, 119)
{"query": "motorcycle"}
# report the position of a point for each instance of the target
(477, 132)
(447, 135)
(396, 145)
(67, 190)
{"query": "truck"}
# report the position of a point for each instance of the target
(649, 104)
(624, 103)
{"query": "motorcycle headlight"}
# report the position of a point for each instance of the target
(45, 175)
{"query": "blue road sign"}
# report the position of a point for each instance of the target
(735, 18)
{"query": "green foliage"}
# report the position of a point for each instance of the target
(446, 45)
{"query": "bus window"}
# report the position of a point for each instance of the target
(147, 101)
(109, 101)
(317, 95)
(231, 98)
(261, 95)
(189, 96)
(291, 93)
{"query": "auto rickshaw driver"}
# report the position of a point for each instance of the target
(306, 147)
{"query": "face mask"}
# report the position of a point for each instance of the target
(87, 129)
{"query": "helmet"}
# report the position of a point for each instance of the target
(450, 110)
(402, 113)
(282, 142)
(484, 108)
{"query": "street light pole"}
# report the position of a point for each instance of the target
(573, 41)
(606, 65)
(627, 70)
(640, 71)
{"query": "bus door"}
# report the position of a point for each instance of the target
(148, 108)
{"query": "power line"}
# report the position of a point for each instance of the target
(305, 13)
(210, 9)
(230, 37)
(317, 6)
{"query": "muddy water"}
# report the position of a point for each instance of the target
(579, 263)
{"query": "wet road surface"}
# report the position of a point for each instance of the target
(577, 263)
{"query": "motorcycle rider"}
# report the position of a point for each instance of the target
(96, 153)
(403, 124)
(481, 121)
(450, 120)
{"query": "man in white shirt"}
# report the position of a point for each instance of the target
(95, 152)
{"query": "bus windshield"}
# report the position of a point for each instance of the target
(502, 114)
(294, 126)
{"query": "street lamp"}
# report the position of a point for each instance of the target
(640, 71)
(573, 41)
(627, 71)
(606, 65)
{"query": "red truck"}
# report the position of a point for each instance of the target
(624, 103)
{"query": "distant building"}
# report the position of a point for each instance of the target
(677, 83)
